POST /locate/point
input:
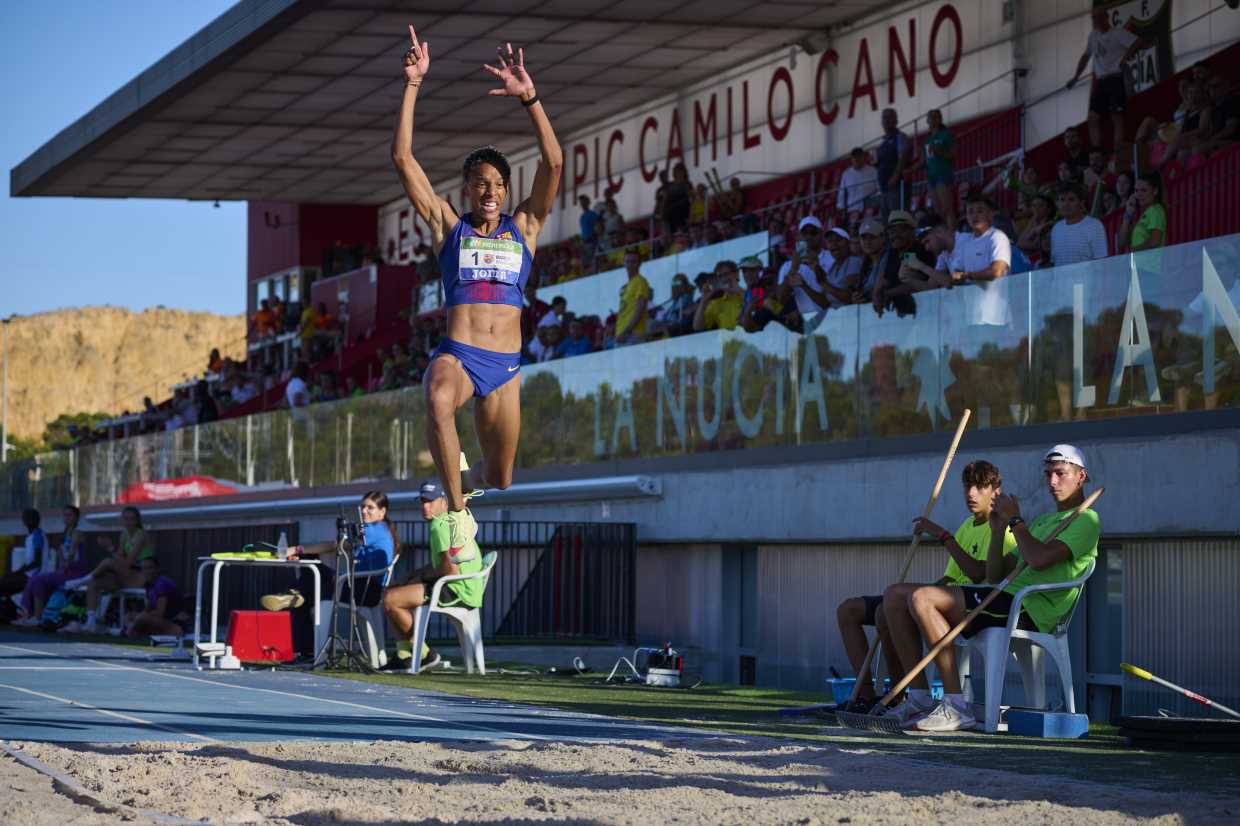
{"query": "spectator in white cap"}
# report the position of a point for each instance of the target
(844, 275)
(802, 275)
(1064, 559)
(873, 237)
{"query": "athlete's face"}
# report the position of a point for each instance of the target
(487, 191)
(978, 498)
(1064, 480)
(434, 507)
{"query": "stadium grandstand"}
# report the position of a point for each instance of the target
(793, 243)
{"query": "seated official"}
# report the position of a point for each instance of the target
(380, 545)
(162, 613)
(399, 601)
(122, 568)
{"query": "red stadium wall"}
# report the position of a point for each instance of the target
(282, 235)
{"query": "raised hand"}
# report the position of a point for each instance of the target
(511, 72)
(417, 60)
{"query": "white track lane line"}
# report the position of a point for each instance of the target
(52, 668)
(126, 717)
(393, 712)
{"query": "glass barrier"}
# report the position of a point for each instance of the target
(600, 294)
(1156, 332)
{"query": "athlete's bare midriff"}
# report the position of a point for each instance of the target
(495, 327)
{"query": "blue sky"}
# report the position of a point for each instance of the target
(58, 61)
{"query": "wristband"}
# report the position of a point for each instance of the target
(528, 103)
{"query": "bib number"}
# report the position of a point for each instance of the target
(489, 259)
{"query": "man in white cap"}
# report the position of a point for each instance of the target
(399, 601)
(938, 609)
(801, 277)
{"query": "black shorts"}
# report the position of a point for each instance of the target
(1109, 95)
(996, 613)
(872, 605)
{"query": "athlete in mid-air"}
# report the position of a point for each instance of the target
(485, 257)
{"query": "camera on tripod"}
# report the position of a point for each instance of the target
(349, 535)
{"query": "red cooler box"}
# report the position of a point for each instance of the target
(261, 636)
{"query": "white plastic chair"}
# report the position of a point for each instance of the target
(123, 596)
(468, 621)
(996, 644)
(370, 618)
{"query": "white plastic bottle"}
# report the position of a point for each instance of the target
(282, 546)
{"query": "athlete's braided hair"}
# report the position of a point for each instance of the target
(487, 154)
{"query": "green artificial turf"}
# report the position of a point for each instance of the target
(1102, 757)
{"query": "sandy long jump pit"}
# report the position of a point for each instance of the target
(694, 780)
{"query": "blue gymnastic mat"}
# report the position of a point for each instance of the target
(59, 690)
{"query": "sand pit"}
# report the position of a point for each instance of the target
(721, 780)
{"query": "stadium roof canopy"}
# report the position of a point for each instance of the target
(293, 101)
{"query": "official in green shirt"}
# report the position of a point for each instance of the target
(967, 550)
(399, 602)
(1066, 558)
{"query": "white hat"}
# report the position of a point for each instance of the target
(809, 221)
(1064, 453)
(841, 232)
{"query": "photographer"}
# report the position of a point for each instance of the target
(399, 602)
(379, 545)
(721, 307)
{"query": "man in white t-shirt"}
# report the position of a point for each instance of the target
(980, 260)
(1077, 237)
(859, 182)
(296, 394)
(801, 276)
(1109, 47)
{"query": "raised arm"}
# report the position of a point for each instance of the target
(435, 211)
(531, 214)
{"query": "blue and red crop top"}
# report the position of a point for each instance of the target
(478, 269)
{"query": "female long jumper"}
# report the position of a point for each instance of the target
(485, 257)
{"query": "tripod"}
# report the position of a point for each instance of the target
(344, 652)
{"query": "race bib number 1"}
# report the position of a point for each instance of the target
(490, 259)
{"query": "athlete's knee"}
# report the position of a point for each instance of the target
(921, 601)
(895, 597)
(440, 402)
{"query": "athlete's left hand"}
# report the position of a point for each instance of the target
(1006, 506)
(511, 72)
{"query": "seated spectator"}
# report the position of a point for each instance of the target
(577, 343)
(697, 209)
(634, 300)
(539, 345)
(553, 336)
(533, 311)
(555, 316)
(163, 605)
(1076, 155)
(69, 561)
(873, 236)
(1148, 231)
(675, 316)
(32, 559)
(1224, 116)
(801, 276)
(614, 256)
(1042, 219)
(1076, 237)
(244, 388)
(896, 292)
(121, 569)
(1108, 203)
(938, 240)
(351, 390)
(720, 309)
(858, 185)
(697, 236)
(1153, 130)
(1124, 180)
(1066, 173)
(421, 363)
(762, 304)
(732, 201)
(296, 393)
(325, 389)
(680, 243)
(264, 322)
(215, 363)
(205, 409)
(1193, 131)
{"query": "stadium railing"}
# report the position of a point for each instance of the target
(1122, 336)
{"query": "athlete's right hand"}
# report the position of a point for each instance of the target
(417, 59)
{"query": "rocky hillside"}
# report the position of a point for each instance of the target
(107, 358)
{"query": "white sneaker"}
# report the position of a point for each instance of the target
(74, 627)
(26, 622)
(946, 717)
(115, 631)
(908, 713)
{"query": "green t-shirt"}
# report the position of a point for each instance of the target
(1047, 608)
(1154, 218)
(147, 549)
(975, 539)
(467, 592)
(937, 166)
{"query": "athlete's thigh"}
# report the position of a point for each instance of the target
(448, 381)
(405, 596)
(497, 420)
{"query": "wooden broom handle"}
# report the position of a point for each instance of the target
(991, 597)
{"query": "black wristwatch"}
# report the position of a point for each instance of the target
(1014, 521)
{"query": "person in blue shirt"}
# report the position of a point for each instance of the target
(28, 560)
(577, 343)
(590, 221)
(379, 548)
